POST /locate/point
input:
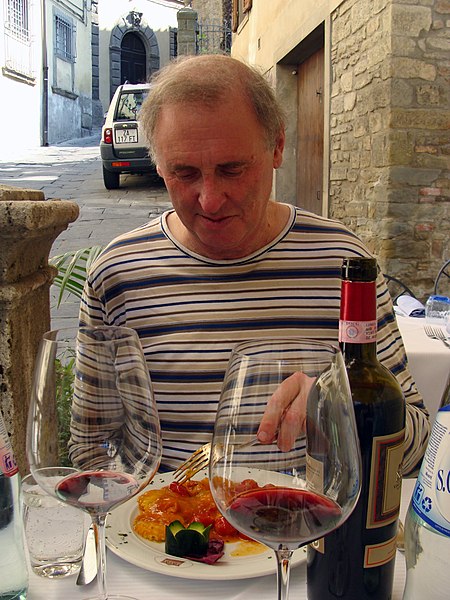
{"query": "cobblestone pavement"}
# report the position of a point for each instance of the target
(73, 171)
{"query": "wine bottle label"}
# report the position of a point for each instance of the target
(431, 496)
(380, 554)
(7, 462)
(358, 332)
(385, 485)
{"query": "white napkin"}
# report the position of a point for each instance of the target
(409, 307)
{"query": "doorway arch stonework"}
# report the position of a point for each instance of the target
(133, 22)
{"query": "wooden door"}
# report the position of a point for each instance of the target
(132, 59)
(310, 123)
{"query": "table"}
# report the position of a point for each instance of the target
(429, 361)
(127, 579)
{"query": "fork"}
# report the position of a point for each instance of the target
(201, 458)
(436, 334)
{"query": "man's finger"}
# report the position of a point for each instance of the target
(280, 405)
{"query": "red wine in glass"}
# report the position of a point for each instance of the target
(96, 491)
(94, 437)
(277, 513)
(305, 466)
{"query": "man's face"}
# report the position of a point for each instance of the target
(218, 171)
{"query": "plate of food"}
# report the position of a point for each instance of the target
(136, 530)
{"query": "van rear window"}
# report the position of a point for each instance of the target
(129, 105)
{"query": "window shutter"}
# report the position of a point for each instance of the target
(235, 16)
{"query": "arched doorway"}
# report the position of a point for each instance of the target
(133, 59)
(148, 51)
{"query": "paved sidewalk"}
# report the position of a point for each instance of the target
(73, 171)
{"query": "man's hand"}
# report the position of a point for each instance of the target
(285, 415)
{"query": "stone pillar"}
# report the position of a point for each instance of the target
(187, 31)
(28, 226)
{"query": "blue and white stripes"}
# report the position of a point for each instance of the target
(189, 311)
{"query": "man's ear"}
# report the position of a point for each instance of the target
(158, 170)
(278, 150)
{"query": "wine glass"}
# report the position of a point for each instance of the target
(93, 437)
(285, 498)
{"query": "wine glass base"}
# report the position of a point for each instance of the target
(112, 597)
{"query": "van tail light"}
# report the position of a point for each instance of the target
(108, 136)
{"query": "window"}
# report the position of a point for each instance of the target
(18, 48)
(17, 19)
(130, 104)
(239, 10)
(64, 38)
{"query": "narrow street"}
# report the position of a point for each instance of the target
(73, 171)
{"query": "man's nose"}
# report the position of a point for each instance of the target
(211, 195)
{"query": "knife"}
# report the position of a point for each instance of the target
(88, 570)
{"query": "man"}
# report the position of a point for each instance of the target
(228, 262)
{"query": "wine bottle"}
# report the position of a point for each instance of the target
(356, 562)
(427, 524)
(13, 567)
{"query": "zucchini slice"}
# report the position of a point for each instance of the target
(187, 541)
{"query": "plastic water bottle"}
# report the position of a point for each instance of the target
(13, 566)
(427, 525)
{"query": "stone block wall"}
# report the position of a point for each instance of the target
(389, 132)
(208, 9)
(187, 31)
(29, 225)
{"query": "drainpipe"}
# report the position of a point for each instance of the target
(44, 111)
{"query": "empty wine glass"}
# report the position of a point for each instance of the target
(93, 437)
(285, 498)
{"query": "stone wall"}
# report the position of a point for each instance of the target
(187, 31)
(208, 9)
(389, 132)
(29, 225)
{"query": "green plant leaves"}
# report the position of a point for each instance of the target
(73, 267)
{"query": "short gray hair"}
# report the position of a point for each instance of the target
(206, 79)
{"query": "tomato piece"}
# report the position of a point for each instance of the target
(205, 516)
(178, 488)
(224, 528)
(246, 485)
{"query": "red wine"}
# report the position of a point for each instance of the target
(96, 491)
(356, 561)
(275, 515)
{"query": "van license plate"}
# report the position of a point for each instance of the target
(126, 136)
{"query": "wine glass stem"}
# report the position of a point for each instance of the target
(99, 529)
(283, 571)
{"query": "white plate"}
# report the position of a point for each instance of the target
(122, 540)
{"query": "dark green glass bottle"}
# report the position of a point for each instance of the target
(356, 562)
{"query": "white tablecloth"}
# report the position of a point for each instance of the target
(430, 365)
(429, 361)
(124, 578)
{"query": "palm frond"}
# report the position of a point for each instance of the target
(73, 267)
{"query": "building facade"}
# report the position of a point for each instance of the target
(365, 85)
(61, 61)
(44, 85)
(134, 40)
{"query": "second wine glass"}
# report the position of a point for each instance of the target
(285, 498)
(93, 437)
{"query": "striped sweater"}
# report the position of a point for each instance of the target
(189, 311)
